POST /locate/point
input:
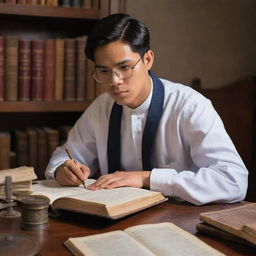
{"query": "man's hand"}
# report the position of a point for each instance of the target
(121, 179)
(71, 174)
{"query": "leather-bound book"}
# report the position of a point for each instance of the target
(41, 153)
(21, 147)
(52, 2)
(1, 68)
(24, 75)
(32, 2)
(87, 4)
(4, 150)
(49, 72)
(37, 70)
(32, 147)
(63, 133)
(59, 68)
(13, 159)
(95, 4)
(81, 69)
(42, 2)
(69, 69)
(52, 136)
(90, 88)
(10, 1)
(11, 68)
(77, 3)
(21, 1)
(65, 3)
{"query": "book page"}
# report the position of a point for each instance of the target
(53, 190)
(113, 243)
(166, 239)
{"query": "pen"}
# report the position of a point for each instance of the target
(71, 158)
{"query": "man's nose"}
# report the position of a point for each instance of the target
(115, 79)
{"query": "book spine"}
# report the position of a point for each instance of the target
(21, 1)
(52, 2)
(10, 1)
(81, 69)
(95, 4)
(13, 163)
(21, 146)
(42, 2)
(52, 136)
(11, 68)
(69, 73)
(1, 68)
(37, 70)
(5, 150)
(32, 147)
(41, 153)
(24, 76)
(90, 81)
(87, 4)
(59, 68)
(65, 3)
(49, 72)
(32, 2)
(77, 3)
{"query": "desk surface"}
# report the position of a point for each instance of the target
(70, 224)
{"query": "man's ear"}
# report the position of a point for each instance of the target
(148, 59)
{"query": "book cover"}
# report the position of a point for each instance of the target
(37, 70)
(11, 68)
(21, 147)
(81, 69)
(109, 203)
(2, 54)
(5, 147)
(235, 221)
(41, 153)
(59, 68)
(87, 4)
(70, 69)
(49, 72)
(52, 137)
(24, 75)
(159, 239)
(32, 147)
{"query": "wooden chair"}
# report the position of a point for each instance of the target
(235, 103)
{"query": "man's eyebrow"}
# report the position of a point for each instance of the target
(117, 64)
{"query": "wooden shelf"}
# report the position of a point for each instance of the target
(49, 11)
(43, 106)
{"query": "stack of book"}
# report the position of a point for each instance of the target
(21, 179)
(236, 224)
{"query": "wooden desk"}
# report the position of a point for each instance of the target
(69, 224)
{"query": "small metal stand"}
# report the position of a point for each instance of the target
(9, 211)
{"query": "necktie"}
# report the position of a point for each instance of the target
(114, 134)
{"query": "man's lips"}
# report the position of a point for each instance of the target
(119, 93)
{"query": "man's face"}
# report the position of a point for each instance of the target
(118, 56)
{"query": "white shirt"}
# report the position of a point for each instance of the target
(194, 158)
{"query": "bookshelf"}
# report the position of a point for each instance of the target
(36, 22)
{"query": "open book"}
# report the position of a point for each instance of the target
(239, 221)
(113, 203)
(162, 239)
(21, 179)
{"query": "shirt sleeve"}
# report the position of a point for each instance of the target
(221, 175)
(81, 144)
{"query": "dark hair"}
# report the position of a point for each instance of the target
(118, 27)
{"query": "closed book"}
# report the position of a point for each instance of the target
(69, 69)
(65, 3)
(13, 159)
(21, 147)
(37, 70)
(41, 153)
(87, 4)
(49, 72)
(2, 68)
(52, 136)
(95, 4)
(81, 69)
(24, 75)
(21, 1)
(63, 133)
(59, 68)
(90, 85)
(32, 147)
(32, 2)
(10, 1)
(11, 68)
(77, 3)
(52, 2)
(5, 145)
(41, 2)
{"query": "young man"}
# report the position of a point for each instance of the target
(145, 131)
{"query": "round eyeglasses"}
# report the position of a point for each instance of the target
(124, 72)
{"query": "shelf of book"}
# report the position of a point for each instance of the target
(33, 106)
(49, 11)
